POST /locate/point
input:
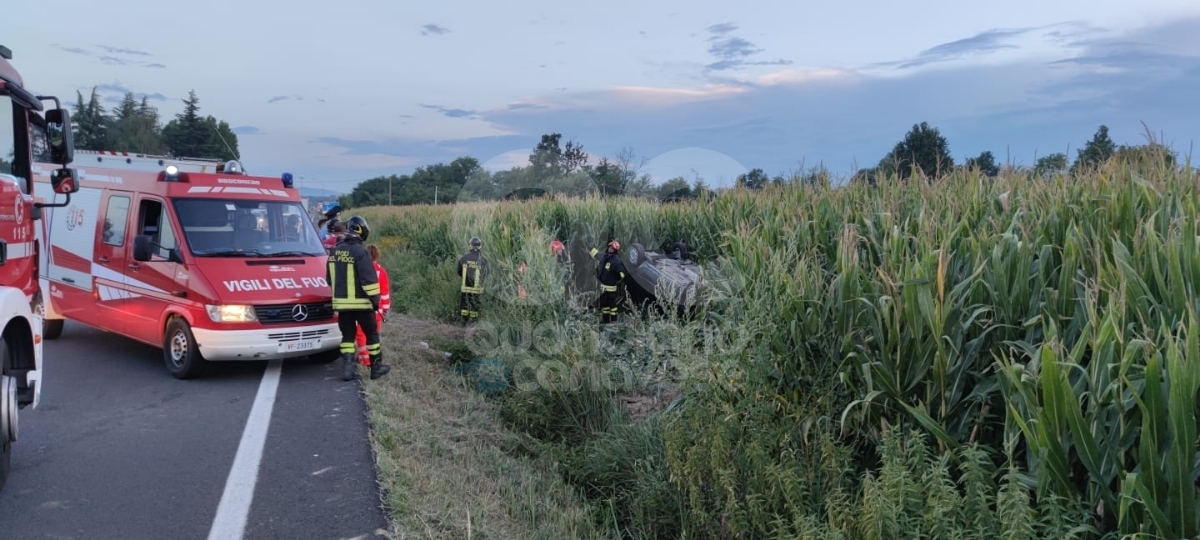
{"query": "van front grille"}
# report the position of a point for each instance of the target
(285, 313)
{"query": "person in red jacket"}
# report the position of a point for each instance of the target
(385, 305)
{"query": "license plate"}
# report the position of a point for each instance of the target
(304, 345)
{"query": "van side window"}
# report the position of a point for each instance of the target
(114, 220)
(155, 223)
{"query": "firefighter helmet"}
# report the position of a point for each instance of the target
(357, 225)
(475, 242)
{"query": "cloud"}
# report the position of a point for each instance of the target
(733, 52)
(1048, 94)
(451, 113)
(118, 50)
(115, 93)
(245, 130)
(277, 99)
(1020, 108)
(1069, 34)
(434, 29)
(112, 56)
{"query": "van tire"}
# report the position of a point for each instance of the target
(52, 328)
(180, 353)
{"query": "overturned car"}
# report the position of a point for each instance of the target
(668, 277)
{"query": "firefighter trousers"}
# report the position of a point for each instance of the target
(468, 306)
(349, 322)
(608, 303)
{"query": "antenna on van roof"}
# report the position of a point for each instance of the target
(231, 151)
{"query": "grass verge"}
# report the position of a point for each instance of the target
(448, 468)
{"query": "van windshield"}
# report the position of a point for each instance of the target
(246, 228)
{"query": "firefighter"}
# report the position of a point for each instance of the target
(356, 298)
(472, 269)
(610, 272)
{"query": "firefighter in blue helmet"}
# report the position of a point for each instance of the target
(610, 272)
(356, 297)
(472, 269)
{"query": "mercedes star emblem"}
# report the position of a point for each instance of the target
(299, 313)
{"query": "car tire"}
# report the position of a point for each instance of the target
(637, 254)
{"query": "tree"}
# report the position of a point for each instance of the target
(1147, 156)
(674, 189)
(135, 127)
(923, 149)
(985, 162)
(549, 161)
(755, 179)
(91, 123)
(608, 177)
(190, 135)
(1050, 165)
(1096, 151)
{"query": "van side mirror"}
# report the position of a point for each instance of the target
(63, 181)
(144, 246)
(60, 137)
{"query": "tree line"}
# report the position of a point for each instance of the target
(135, 126)
(555, 167)
(925, 152)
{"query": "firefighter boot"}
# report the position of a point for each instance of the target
(378, 368)
(349, 366)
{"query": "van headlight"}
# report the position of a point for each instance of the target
(231, 313)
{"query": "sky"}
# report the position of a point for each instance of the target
(340, 92)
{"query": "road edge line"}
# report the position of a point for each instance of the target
(234, 508)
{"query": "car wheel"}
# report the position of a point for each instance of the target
(637, 254)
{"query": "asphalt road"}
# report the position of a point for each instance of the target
(119, 449)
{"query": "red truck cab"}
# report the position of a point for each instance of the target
(25, 135)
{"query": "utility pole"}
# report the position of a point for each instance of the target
(389, 190)
(435, 195)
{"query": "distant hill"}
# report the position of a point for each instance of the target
(317, 193)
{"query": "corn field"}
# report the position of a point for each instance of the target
(966, 358)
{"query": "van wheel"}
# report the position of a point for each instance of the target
(52, 328)
(180, 352)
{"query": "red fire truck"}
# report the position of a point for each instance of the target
(192, 256)
(25, 136)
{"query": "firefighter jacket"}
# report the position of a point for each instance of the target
(472, 268)
(611, 270)
(351, 275)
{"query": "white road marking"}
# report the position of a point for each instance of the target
(234, 509)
